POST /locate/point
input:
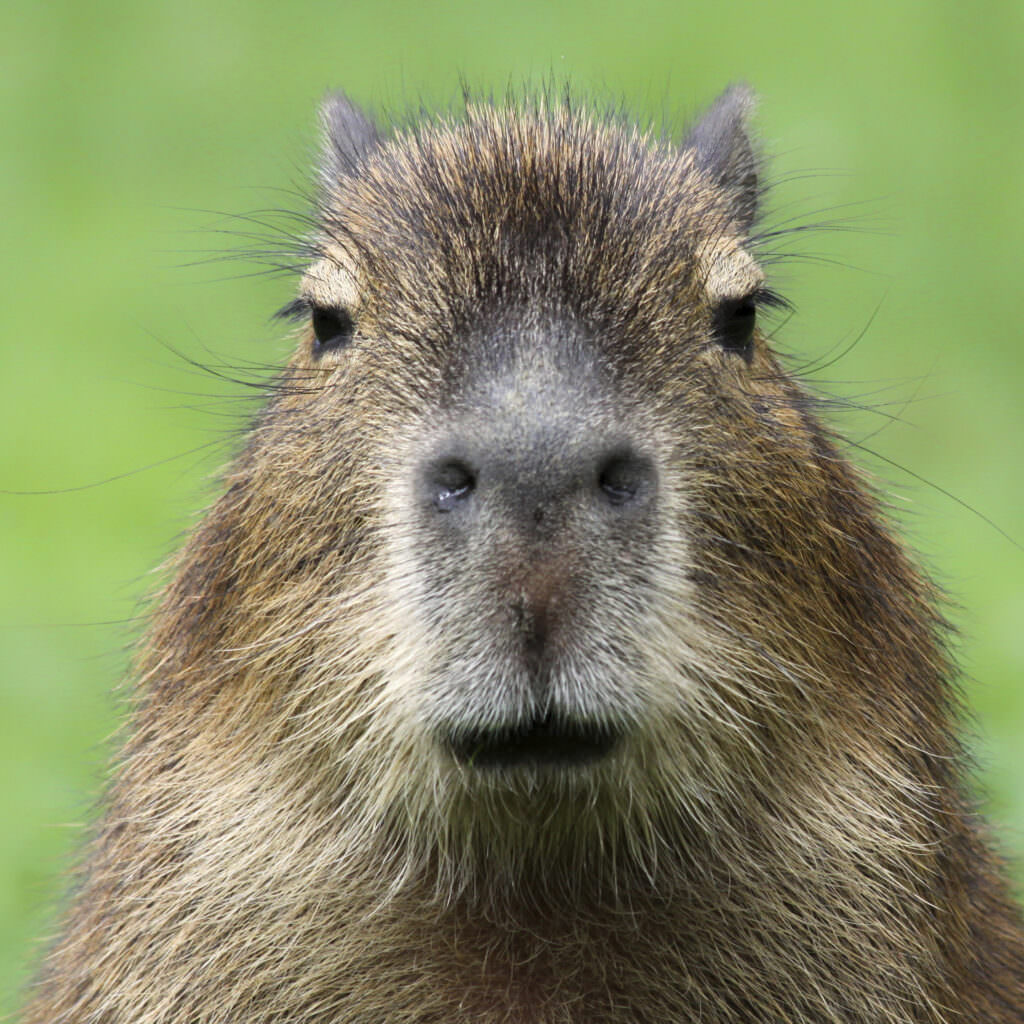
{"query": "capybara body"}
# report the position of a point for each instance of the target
(544, 660)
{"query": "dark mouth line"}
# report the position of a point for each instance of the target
(540, 742)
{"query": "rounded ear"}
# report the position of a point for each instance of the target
(349, 136)
(722, 149)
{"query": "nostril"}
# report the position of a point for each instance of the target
(625, 478)
(450, 483)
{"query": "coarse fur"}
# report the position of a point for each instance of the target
(779, 828)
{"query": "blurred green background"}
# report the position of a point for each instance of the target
(122, 122)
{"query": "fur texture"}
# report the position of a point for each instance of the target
(780, 831)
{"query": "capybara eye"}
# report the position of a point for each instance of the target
(333, 328)
(734, 325)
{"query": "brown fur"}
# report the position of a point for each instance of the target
(781, 832)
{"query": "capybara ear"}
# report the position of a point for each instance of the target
(349, 136)
(722, 149)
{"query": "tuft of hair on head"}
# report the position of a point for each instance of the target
(722, 149)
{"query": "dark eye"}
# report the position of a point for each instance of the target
(333, 328)
(734, 323)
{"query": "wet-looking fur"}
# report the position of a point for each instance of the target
(543, 660)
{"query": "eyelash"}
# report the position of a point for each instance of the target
(297, 310)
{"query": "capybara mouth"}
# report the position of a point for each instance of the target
(541, 742)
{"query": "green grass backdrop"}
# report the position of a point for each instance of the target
(122, 122)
